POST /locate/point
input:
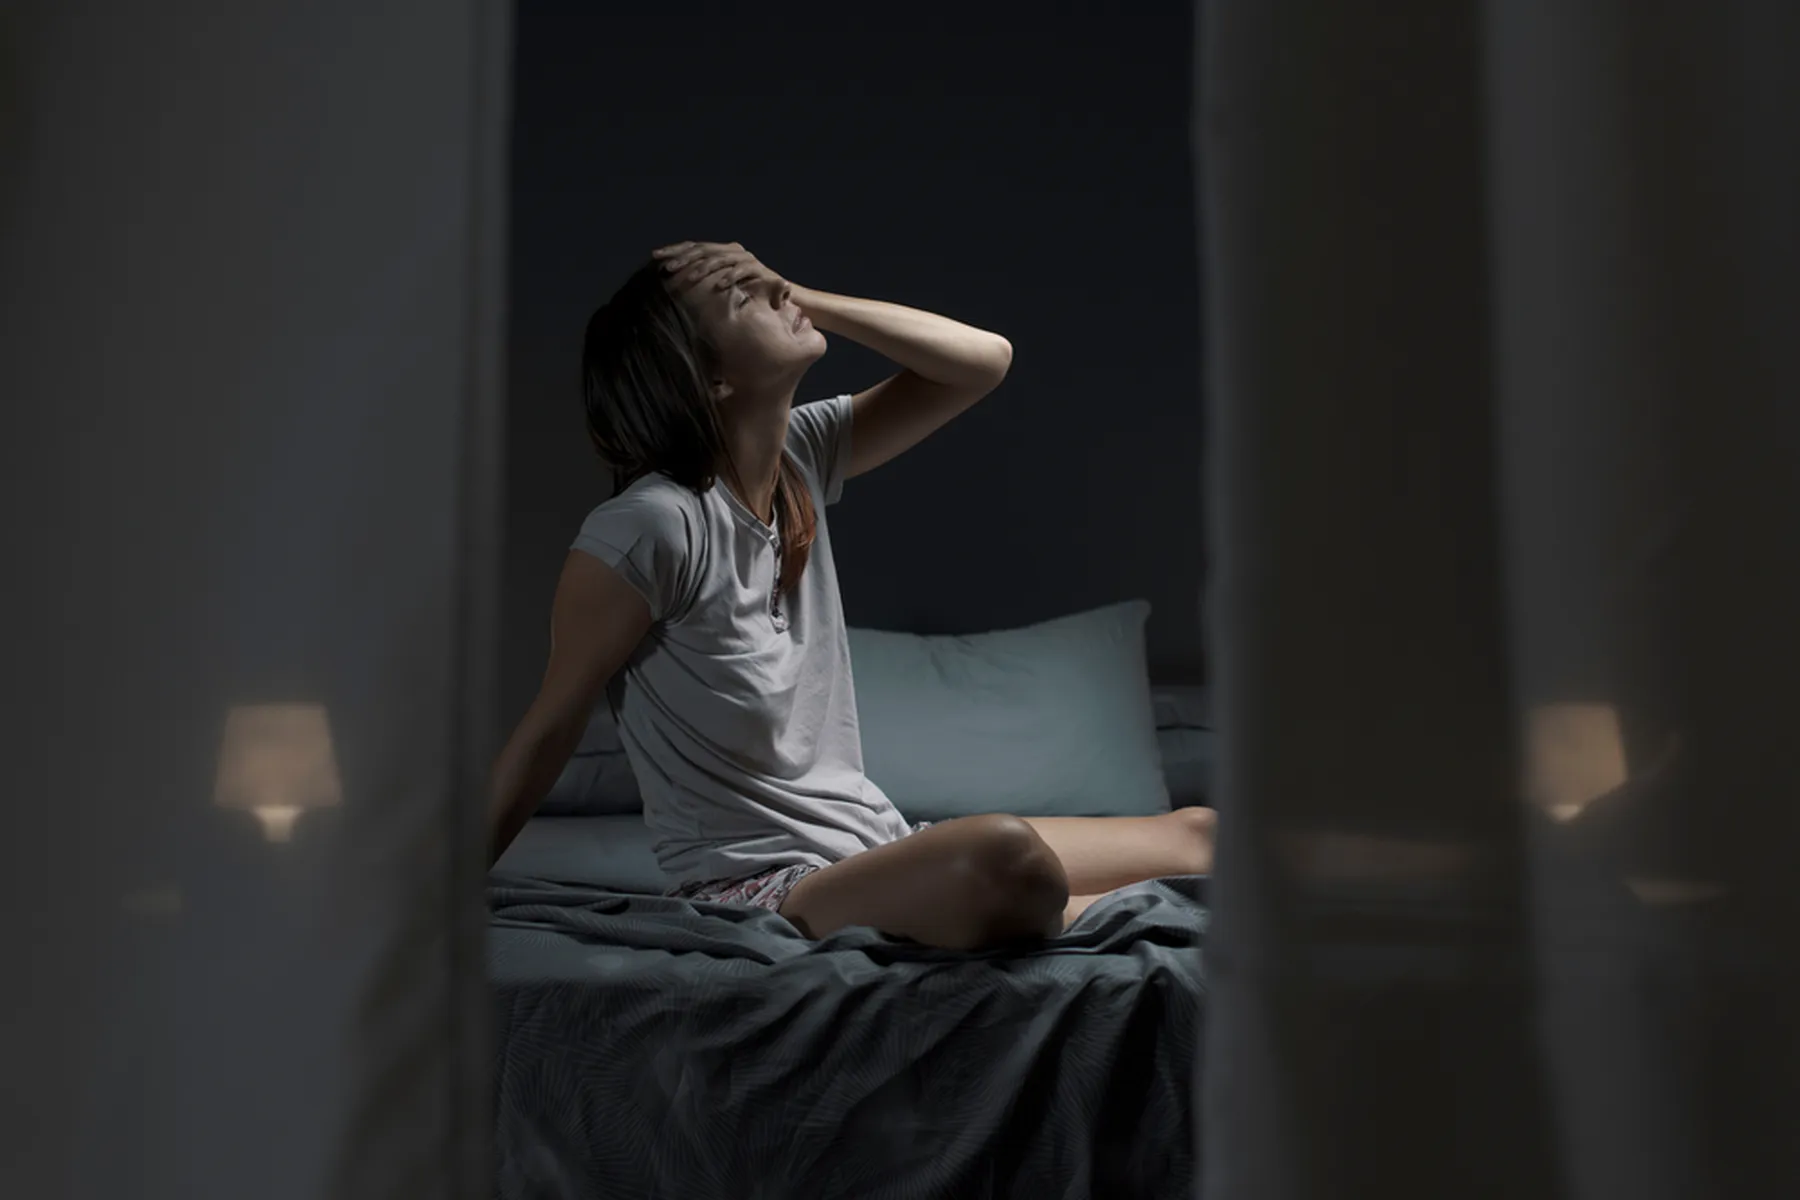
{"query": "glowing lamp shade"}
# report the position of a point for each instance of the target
(277, 762)
(1574, 754)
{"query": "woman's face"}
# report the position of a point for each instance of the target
(764, 340)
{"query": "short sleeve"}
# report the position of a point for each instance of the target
(649, 536)
(819, 438)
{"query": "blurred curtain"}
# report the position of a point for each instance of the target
(1505, 502)
(252, 268)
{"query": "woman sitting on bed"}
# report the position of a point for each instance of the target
(702, 600)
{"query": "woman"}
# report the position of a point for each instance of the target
(703, 601)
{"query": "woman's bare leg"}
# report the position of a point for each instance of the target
(1076, 906)
(961, 884)
(1099, 854)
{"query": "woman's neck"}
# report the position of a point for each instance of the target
(756, 441)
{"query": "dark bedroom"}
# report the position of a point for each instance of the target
(931, 602)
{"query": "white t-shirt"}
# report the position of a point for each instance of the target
(739, 719)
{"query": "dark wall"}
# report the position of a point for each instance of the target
(1023, 168)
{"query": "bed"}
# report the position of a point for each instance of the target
(650, 1047)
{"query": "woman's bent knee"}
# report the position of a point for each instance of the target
(1021, 888)
(963, 884)
(1199, 833)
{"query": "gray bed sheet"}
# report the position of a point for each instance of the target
(651, 1047)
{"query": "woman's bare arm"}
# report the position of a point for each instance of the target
(596, 623)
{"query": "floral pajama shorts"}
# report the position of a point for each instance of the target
(760, 889)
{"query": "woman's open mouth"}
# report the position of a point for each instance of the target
(800, 321)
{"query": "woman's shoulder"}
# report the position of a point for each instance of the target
(655, 534)
(654, 506)
(651, 493)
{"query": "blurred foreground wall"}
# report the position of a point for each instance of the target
(250, 259)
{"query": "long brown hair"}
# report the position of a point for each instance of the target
(645, 364)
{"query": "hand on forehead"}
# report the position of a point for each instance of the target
(719, 266)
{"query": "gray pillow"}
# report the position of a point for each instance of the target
(598, 780)
(612, 852)
(1187, 762)
(1183, 706)
(1052, 719)
(1184, 729)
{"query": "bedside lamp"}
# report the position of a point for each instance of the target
(277, 762)
(1574, 754)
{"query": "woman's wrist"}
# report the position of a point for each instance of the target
(814, 303)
